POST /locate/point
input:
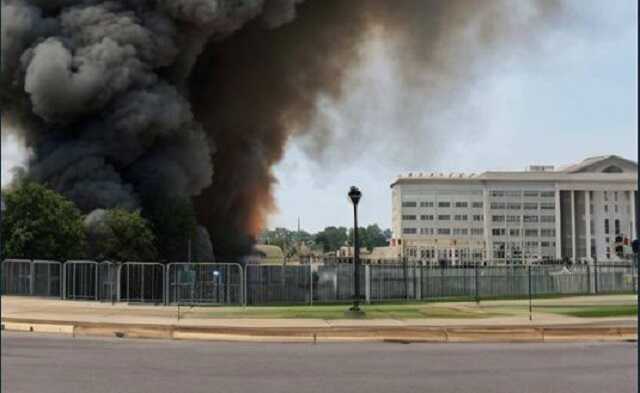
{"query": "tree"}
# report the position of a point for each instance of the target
(331, 238)
(120, 235)
(38, 223)
(370, 237)
(173, 220)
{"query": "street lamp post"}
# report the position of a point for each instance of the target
(355, 195)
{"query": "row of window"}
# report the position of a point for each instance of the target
(525, 206)
(546, 219)
(515, 232)
(480, 218)
(442, 217)
(616, 224)
(475, 205)
(527, 194)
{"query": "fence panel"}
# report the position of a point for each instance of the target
(108, 281)
(503, 281)
(393, 282)
(204, 283)
(615, 279)
(442, 282)
(270, 284)
(17, 277)
(560, 280)
(80, 280)
(334, 283)
(142, 282)
(47, 278)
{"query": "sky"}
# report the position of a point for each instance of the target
(573, 97)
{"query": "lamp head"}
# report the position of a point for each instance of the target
(355, 195)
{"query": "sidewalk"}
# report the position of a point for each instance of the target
(94, 318)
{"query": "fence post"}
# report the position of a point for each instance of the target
(32, 275)
(310, 284)
(476, 283)
(367, 283)
(530, 292)
(595, 271)
(417, 273)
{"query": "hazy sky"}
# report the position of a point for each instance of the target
(574, 97)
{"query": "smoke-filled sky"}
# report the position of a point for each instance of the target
(428, 87)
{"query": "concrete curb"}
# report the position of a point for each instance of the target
(506, 334)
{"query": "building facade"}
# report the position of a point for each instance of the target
(573, 213)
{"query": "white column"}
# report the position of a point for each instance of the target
(573, 226)
(633, 214)
(485, 222)
(587, 215)
(558, 226)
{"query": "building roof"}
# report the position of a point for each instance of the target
(609, 168)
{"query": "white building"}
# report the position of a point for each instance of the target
(574, 213)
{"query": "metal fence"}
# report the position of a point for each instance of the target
(142, 282)
(204, 283)
(231, 284)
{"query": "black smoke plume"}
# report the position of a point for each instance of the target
(124, 99)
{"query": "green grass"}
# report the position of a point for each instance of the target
(337, 312)
(602, 311)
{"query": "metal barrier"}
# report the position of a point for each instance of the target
(80, 280)
(205, 283)
(47, 278)
(271, 284)
(108, 281)
(613, 279)
(17, 277)
(392, 282)
(142, 282)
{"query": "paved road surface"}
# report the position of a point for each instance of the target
(50, 364)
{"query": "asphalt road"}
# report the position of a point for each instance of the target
(49, 364)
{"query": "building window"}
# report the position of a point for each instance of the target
(530, 232)
(477, 217)
(497, 218)
(531, 194)
(426, 231)
(513, 218)
(547, 218)
(412, 252)
(514, 232)
(606, 226)
(409, 204)
(460, 231)
(547, 194)
(615, 208)
(547, 206)
(512, 194)
(547, 232)
(530, 218)
(460, 217)
(606, 196)
(497, 205)
(409, 217)
(498, 249)
(615, 196)
(426, 204)
(498, 231)
(461, 204)
(591, 209)
(616, 224)
(497, 193)
(444, 217)
(606, 208)
(477, 231)
(409, 231)
(477, 205)
(513, 206)
(426, 217)
(444, 231)
(444, 204)
(530, 206)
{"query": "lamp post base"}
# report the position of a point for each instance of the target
(355, 312)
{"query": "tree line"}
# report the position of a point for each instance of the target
(329, 239)
(38, 223)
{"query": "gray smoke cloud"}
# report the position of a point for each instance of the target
(120, 100)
